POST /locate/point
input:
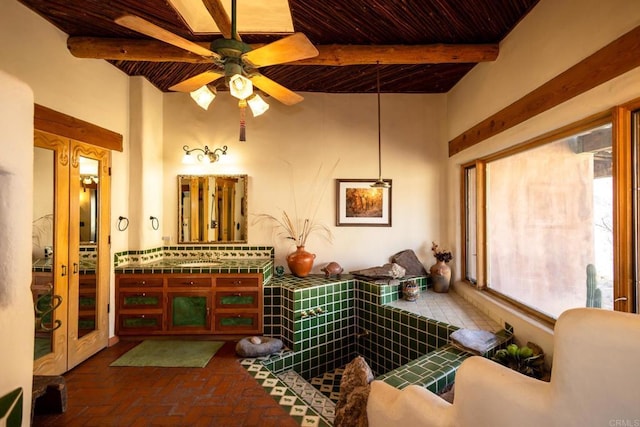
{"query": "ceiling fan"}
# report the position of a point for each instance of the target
(233, 59)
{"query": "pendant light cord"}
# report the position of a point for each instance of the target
(379, 139)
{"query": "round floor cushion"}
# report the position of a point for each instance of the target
(258, 346)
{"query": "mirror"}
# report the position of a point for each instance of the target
(212, 208)
(88, 210)
(43, 227)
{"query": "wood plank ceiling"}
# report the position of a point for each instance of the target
(389, 25)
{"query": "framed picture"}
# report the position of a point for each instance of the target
(358, 204)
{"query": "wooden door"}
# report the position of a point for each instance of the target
(50, 254)
(74, 274)
(89, 256)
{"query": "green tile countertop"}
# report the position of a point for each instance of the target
(293, 283)
(224, 266)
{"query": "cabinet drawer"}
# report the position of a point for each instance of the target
(237, 299)
(130, 300)
(140, 282)
(235, 281)
(189, 282)
(237, 322)
(139, 323)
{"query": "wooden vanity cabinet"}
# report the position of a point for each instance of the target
(174, 304)
(238, 304)
(139, 304)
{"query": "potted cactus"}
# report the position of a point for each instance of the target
(528, 360)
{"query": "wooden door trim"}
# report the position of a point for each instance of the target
(52, 121)
(611, 61)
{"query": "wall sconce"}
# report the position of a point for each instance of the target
(206, 156)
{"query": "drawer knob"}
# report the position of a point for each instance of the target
(143, 283)
(144, 294)
(237, 294)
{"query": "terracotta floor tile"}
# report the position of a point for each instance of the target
(220, 394)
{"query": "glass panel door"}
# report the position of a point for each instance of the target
(88, 251)
(49, 255)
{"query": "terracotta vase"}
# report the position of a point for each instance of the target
(440, 277)
(300, 262)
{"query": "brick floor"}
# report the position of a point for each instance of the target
(220, 394)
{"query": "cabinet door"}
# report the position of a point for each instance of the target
(139, 324)
(240, 323)
(139, 300)
(189, 311)
(140, 281)
(237, 281)
(237, 299)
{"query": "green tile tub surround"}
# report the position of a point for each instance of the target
(434, 371)
(394, 338)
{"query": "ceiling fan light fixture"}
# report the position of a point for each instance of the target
(257, 104)
(203, 96)
(240, 86)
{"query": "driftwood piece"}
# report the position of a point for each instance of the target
(351, 409)
(410, 262)
(387, 271)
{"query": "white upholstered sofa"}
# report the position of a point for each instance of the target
(595, 381)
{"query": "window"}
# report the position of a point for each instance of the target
(549, 238)
(470, 232)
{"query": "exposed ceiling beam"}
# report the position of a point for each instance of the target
(216, 10)
(616, 58)
(330, 55)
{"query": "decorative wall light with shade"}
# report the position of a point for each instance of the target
(202, 155)
(380, 183)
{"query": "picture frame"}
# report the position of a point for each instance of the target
(360, 205)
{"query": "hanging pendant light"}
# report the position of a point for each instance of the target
(380, 183)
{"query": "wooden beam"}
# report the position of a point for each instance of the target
(329, 55)
(51, 121)
(616, 58)
(220, 17)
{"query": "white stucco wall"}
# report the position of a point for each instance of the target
(145, 199)
(87, 89)
(552, 38)
(318, 132)
(16, 183)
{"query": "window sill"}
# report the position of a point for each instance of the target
(526, 327)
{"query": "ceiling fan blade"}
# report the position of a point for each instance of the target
(145, 27)
(197, 81)
(288, 49)
(275, 90)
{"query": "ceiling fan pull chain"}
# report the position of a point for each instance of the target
(243, 106)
